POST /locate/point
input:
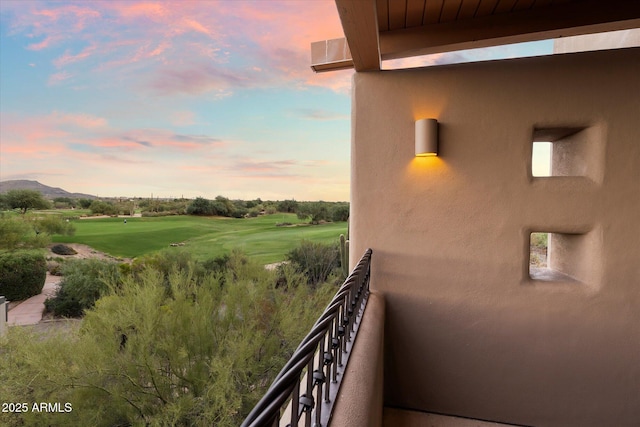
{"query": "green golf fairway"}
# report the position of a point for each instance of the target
(205, 237)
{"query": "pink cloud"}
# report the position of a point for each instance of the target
(58, 78)
(195, 26)
(68, 58)
(258, 166)
(165, 36)
(78, 119)
(44, 44)
(135, 10)
(194, 78)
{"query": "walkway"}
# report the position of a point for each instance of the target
(29, 312)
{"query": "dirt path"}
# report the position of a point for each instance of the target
(84, 252)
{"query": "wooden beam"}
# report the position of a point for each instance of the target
(360, 24)
(567, 19)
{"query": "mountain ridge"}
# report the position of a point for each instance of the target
(47, 191)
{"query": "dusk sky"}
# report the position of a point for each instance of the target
(184, 98)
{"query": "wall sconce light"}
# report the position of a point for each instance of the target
(426, 137)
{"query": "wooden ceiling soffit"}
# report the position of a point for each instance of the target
(561, 20)
(366, 44)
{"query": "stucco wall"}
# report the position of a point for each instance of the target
(467, 331)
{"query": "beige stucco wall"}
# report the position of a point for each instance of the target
(467, 332)
(359, 402)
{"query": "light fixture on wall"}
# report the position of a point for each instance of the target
(426, 137)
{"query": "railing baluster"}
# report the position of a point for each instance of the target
(330, 340)
(295, 404)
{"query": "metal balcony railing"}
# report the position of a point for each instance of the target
(309, 382)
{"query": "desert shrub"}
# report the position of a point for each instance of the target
(193, 354)
(54, 267)
(99, 207)
(84, 281)
(22, 274)
(316, 260)
(61, 249)
(240, 212)
(166, 261)
(217, 265)
(17, 233)
(54, 224)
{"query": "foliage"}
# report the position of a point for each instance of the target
(315, 260)
(85, 203)
(53, 224)
(84, 281)
(539, 240)
(200, 206)
(316, 211)
(192, 354)
(99, 207)
(61, 249)
(25, 200)
(65, 202)
(22, 274)
(289, 206)
(17, 233)
(340, 212)
(155, 207)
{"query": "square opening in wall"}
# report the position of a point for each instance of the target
(541, 159)
(565, 257)
(538, 245)
(567, 151)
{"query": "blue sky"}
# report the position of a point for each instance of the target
(188, 98)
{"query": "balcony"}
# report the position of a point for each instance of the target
(345, 387)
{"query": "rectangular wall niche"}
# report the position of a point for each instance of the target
(565, 257)
(568, 151)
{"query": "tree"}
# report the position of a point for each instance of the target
(85, 203)
(340, 212)
(200, 206)
(287, 206)
(317, 211)
(184, 351)
(25, 200)
(104, 208)
(16, 233)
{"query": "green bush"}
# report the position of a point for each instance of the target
(84, 281)
(22, 274)
(316, 260)
(16, 233)
(194, 354)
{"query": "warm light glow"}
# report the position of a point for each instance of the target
(423, 169)
(427, 155)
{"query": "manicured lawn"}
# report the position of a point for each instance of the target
(205, 237)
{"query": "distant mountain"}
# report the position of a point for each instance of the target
(47, 192)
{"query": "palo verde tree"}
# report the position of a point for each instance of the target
(25, 200)
(181, 350)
